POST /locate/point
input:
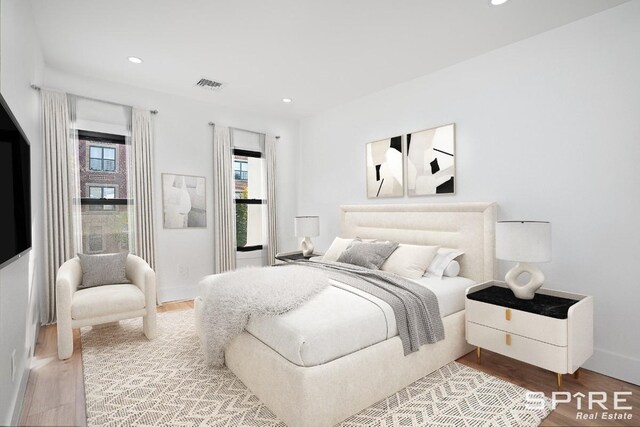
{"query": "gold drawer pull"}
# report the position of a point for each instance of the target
(507, 339)
(507, 314)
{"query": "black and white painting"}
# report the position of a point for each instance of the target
(384, 168)
(431, 161)
(184, 201)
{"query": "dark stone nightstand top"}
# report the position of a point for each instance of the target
(293, 256)
(545, 305)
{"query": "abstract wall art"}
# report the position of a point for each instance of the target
(184, 201)
(431, 161)
(385, 168)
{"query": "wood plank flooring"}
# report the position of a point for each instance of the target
(538, 379)
(55, 389)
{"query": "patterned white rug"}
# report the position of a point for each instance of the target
(130, 381)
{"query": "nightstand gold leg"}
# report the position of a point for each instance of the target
(576, 374)
(479, 354)
(559, 381)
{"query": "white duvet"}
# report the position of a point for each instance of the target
(341, 320)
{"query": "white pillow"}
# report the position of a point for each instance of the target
(453, 269)
(410, 261)
(441, 261)
(337, 247)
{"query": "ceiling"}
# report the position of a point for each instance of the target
(319, 53)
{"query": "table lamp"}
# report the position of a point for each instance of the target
(306, 227)
(524, 242)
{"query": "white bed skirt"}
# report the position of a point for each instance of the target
(326, 394)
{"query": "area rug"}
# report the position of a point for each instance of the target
(130, 381)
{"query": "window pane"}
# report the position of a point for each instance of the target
(105, 230)
(254, 225)
(95, 192)
(241, 225)
(95, 152)
(109, 193)
(109, 165)
(95, 164)
(255, 178)
(249, 220)
(249, 177)
(109, 153)
(95, 243)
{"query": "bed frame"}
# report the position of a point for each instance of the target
(325, 395)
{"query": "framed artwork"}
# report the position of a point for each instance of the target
(431, 161)
(184, 201)
(385, 175)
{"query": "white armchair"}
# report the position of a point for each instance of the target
(103, 304)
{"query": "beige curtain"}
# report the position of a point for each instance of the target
(224, 221)
(141, 186)
(59, 192)
(272, 212)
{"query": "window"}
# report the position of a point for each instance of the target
(241, 170)
(102, 158)
(102, 192)
(95, 241)
(249, 182)
(104, 204)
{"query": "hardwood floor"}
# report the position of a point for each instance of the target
(538, 379)
(55, 389)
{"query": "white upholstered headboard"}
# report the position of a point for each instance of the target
(466, 226)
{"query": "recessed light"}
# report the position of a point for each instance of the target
(287, 100)
(135, 60)
(497, 2)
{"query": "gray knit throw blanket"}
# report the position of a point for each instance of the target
(414, 306)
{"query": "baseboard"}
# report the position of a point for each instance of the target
(177, 293)
(24, 378)
(615, 365)
(17, 407)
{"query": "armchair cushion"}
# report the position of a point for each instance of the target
(103, 269)
(106, 300)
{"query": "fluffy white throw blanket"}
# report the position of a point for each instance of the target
(230, 298)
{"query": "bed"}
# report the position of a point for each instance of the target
(323, 377)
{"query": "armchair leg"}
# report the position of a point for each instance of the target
(149, 325)
(65, 340)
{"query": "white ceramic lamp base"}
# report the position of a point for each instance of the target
(528, 290)
(306, 246)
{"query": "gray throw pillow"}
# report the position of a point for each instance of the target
(369, 255)
(103, 269)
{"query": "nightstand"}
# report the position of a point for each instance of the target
(554, 330)
(294, 256)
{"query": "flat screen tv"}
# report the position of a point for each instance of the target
(15, 188)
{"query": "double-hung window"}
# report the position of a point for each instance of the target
(104, 202)
(248, 171)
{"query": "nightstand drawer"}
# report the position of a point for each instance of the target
(535, 326)
(537, 353)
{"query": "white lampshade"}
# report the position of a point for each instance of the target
(307, 226)
(523, 241)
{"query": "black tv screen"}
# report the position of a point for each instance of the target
(15, 188)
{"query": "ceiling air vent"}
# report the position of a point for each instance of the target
(209, 84)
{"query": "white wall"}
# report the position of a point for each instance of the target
(21, 63)
(548, 128)
(183, 145)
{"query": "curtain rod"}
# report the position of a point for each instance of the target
(245, 130)
(36, 87)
